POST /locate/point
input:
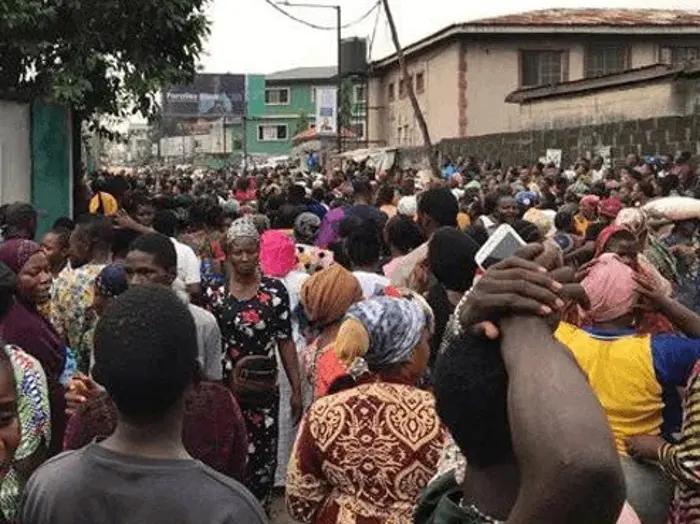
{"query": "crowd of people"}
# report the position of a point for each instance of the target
(198, 343)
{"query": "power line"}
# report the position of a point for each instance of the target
(321, 27)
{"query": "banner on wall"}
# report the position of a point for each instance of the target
(326, 110)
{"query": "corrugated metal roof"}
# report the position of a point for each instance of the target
(585, 85)
(304, 73)
(593, 17)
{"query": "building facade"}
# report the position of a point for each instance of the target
(465, 74)
(282, 105)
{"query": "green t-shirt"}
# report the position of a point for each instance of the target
(440, 504)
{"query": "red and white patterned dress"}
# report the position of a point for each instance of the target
(363, 455)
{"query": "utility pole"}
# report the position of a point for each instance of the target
(411, 93)
(339, 94)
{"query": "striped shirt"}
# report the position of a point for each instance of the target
(682, 461)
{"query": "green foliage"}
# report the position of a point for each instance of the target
(99, 56)
(302, 122)
(346, 103)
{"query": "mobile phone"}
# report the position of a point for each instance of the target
(500, 245)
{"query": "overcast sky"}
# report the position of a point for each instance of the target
(249, 36)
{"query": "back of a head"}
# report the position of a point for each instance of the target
(20, 220)
(439, 204)
(471, 388)
(146, 351)
(363, 246)
(361, 187)
(97, 229)
(451, 258)
(159, 246)
(165, 223)
(403, 233)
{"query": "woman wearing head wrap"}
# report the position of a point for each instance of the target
(326, 297)
(635, 375)
(588, 212)
(381, 438)
(23, 326)
(253, 311)
(28, 433)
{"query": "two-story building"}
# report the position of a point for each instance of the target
(472, 78)
(283, 104)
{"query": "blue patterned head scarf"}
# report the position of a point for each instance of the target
(112, 281)
(394, 325)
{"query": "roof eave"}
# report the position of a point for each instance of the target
(472, 29)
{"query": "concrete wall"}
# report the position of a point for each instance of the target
(492, 72)
(651, 136)
(15, 152)
(439, 101)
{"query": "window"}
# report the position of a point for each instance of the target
(420, 82)
(391, 92)
(359, 94)
(272, 132)
(313, 95)
(679, 55)
(277, 96)
(605, 60)
(541, 68)
(402, 89)
(358, 127)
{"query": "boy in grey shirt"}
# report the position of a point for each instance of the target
(146, 357)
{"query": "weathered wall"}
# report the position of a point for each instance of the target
(601, 107)
(15, 153)
(666, 135)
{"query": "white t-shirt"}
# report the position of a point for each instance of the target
(371, 283)
(188, 264)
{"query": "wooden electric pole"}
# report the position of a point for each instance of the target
(406, 79)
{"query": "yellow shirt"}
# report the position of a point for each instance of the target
(621, 372)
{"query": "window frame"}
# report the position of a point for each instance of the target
(356, 100)
(391, 92)
(289, 96)
(670, 48)
(363, 124)
(592, 48)
(564, 65)
(261, 126)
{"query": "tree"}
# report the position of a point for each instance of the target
(406, 79)
(302, 122)
(105, 57)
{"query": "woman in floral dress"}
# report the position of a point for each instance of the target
(254, 317)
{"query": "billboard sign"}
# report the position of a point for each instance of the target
(208, 96)
(326, 110)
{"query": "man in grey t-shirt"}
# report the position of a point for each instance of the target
(146, 357)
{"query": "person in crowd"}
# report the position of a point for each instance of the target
(311, 259)
(510, 412)
(683, 244)
(25, 426)
(254, 315)
(587, 213)
(608, 209)
(451, 260)
(564, 235)
(436, 208)
(23, 326)
(56, 246)
(386, 200)
(382, 468)
(363, 207)
(152, 259)
(635, 377)
(20, 221)
(401, 235)
(73, 291)
(326, 297)
(278, 260)
(188, 265)
(135, 473)
(363, 247)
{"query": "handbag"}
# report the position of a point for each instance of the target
(254, 381)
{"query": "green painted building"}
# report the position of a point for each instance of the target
(282, 105)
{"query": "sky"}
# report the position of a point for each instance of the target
(249, 36)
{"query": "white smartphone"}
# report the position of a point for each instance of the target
(500, 245)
